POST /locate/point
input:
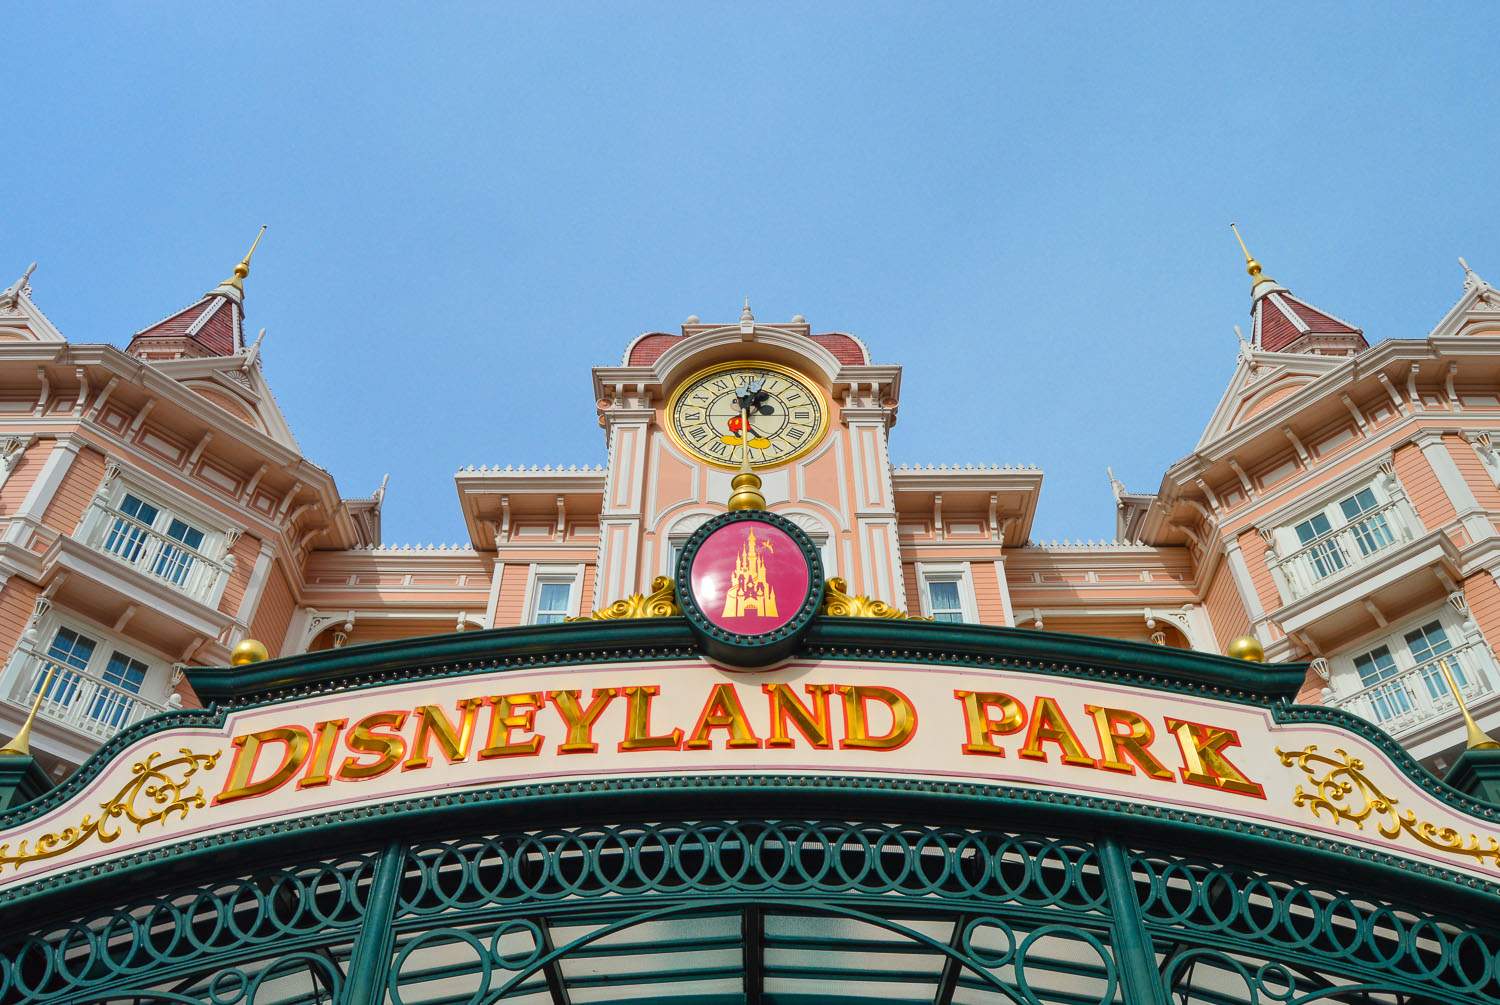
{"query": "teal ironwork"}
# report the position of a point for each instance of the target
(769, 889)
(845, 910)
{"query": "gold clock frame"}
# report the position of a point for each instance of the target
(825, 420)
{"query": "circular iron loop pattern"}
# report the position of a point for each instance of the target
(1016, 900)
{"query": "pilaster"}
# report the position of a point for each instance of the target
(29, 514)
(1465, 504)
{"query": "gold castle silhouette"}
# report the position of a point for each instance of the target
(749, 588)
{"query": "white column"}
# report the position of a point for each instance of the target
(29, 514)
(1246, 587)
(874, 505)
(620, 519)
(256, 586)
(1465, 504)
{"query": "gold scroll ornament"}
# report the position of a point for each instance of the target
(839, 604)
(158, 786)
(662, 603)
(1341, 783)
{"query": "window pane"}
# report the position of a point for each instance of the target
(71, 648)
(1375, 665)
(190, 536)
(1428, 641)
(142, 511)
(942, 600)
(1308, 530)
(1360, 502)
(111, 706)
(552, 602)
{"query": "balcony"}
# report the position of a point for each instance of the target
(1342, 550)
(1408, 700)
(168, 559)
(78, 700)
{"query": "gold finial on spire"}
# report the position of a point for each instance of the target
(21, 745)
(746, 482)
(243, 269)
(1251, 265)
(1478, 738)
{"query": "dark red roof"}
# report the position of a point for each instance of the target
(648, 348)
(1278, 330)
(845, 348)
(218, 335)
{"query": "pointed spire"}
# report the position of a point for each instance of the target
(243, 269)
(1251, 265)
(745, 315)
(1284, 323)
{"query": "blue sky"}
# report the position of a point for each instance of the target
(1025, 205)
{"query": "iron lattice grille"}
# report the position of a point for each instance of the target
(777, 912)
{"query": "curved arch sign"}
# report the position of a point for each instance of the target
(1170, 751)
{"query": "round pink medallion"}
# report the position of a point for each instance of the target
(749, 577)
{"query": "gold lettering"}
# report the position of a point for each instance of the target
(363, 739)
(722, 711)
(505, 718)
(581, 722)
(786, 707)
(638, 722)
(1203, 760)
(980, 728)
(1133, 742)
(857, 723)
(322, 758)
(247, 752)
(1049, 725)
(433, 724)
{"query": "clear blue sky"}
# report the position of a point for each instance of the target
(1026, 205)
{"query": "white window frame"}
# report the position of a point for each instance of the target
(1343, 678)
(540, 575)
(94, 529)
(1401, 520)
(948, 572)
(156, 685)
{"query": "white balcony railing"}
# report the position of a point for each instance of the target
(147, 550)
(1342, 549)
(78, 700)
(1413, 698)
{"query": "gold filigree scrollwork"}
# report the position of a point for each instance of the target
(159, 788)
(1347, 793)
(660, 603)
(838, 603)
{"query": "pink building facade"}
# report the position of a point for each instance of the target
(1340, 507)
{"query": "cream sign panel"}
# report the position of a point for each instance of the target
(313, 756)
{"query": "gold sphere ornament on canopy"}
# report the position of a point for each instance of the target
(249, 651)
(1246, 647)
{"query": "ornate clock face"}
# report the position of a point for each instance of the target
(788, 416)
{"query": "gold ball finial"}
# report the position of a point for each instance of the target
(747, 494)
(249, 651)
(1246, 647)
(1252, 267)
(242, 270)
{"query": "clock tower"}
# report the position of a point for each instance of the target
(818, 412)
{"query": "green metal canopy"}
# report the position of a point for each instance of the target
(764, 887)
